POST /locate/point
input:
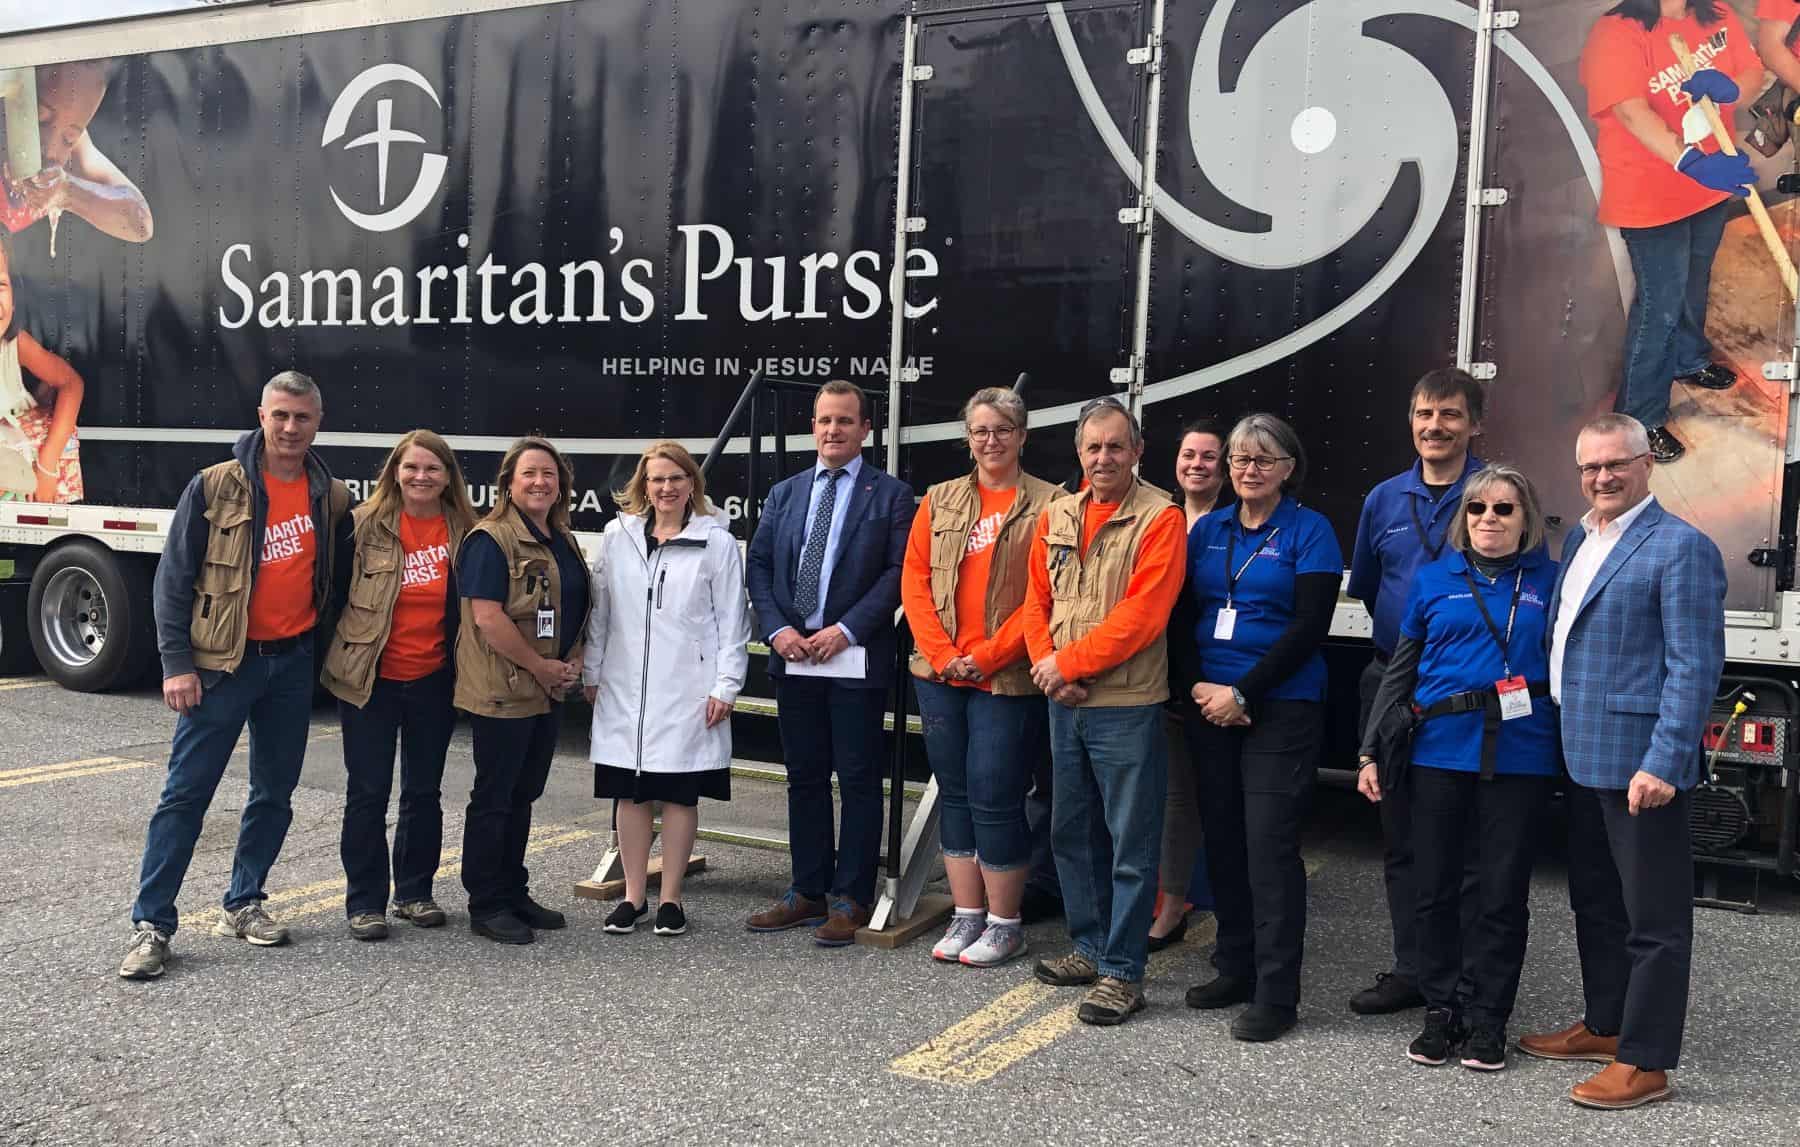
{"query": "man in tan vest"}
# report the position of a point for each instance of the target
(244, 582)
(1106, 568)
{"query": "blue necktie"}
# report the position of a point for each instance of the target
(812, 558)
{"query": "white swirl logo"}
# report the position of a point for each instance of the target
(431, 167)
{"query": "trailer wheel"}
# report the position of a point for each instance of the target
(89, 617)
(16, 656)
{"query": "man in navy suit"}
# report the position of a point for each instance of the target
(824, 575)
(1637, 644)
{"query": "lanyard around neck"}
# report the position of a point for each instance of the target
(1503, 641)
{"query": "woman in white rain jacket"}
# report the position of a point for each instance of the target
(665, 660)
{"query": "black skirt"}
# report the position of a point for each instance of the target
(670, 788)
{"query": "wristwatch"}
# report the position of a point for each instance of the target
(1238, 696)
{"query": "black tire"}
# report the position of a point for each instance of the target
(16, 655)
(89, 615)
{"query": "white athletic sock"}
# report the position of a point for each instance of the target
(970, 912)
(1014, 921)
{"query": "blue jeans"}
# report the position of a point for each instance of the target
(827, 727)
(274, 696)
(1665, 334)
(1106, 828)
(418, 715)
(977, 744)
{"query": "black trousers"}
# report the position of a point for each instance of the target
(1398, 850)
(512, 765)
(418, 715)
(1253, 783)
(1631, 884)
(1458, 815)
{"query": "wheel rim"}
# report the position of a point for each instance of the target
(73, 617)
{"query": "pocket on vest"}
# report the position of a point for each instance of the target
(221, 605)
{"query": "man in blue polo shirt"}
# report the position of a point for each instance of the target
(1403, 524)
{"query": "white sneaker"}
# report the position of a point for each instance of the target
(963, 931)
(998, 944)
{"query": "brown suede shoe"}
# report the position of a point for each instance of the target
(1573, 1042)
(840, 928)
(1618, 1086)
(791, 911)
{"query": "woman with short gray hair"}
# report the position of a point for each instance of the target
(1471, 674)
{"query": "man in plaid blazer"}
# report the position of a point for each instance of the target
(1636, 648)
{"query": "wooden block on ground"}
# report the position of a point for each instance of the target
(931, 912)
(613, 889)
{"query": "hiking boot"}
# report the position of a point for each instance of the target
(423, 913)
(149, 952)
(1221, 991)
(840, 927)
(670, 919)
(791, 911)
(963, 931)
(1442, 1035)
(369, 926)
(998, 944)
(1110, 1001)
(538, 917)
(1391, 993)
(1070, 971)
(253, 924)
(503, 928)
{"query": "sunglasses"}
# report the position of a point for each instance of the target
(1501, 509)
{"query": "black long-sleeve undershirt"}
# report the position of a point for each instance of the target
(1315, 599)
(1397, 684)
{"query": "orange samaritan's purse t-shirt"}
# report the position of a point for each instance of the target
(971, 637)
(416, 645)
(1621, 61)
(1783, 11)
(281, 600)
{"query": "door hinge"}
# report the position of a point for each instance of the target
(1500, 21)
(915, 224)
(1782, 370)
(1130, 376)
(922, 72)
(1150, 56)
(1483, 371)
(909, 374)
(1493, 197)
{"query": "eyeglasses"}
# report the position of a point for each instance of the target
(1501, 509)
(1258, 462)
(996, 433)
(1104, 402)
(1616, 466)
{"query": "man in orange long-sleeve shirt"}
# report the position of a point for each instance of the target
(1106, 567)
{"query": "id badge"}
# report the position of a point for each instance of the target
(1226, 624)
(546, 622)
(1515, 698)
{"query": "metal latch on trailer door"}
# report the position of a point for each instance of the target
(922, 72)
(1149, 55)
(1499, 21)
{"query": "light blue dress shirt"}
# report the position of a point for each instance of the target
(852, 471)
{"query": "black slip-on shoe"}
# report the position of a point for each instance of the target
(623, 920)
(1664, 447)
(1390, 993)
(1712, 376)
(539, 917)
(1176, 935)
(503, 928)
(1260, 1023)
(670, 919)
(1221, 991)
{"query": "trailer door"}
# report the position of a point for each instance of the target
(1015, 204)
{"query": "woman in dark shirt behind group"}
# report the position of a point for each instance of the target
(1263, 576)
(1473, 657)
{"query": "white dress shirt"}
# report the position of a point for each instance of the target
(1580, 575)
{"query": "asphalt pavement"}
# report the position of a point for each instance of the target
(721, 1036)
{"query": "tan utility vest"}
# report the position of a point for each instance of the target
(354, 659)
(955, 508)
(221, 619)
(487, 684)
(1085, 587)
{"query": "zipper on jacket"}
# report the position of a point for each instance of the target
(651, 586)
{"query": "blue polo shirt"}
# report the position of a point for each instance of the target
(1294, 541)
(1461, 655)
(1388, 545)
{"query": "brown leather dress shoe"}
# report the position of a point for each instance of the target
(840, 927)
(1573, 1042)
(791, 911)
(1618, 1086)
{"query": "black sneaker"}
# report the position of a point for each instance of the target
(1442, 1035)
(539, 917)
(1260, 1023)
(503, 928)
(1221, 991)
(670, 919)
(1485, 1049)
(625, 918)
(1391, 993)
(1712, 376)
(1664, 447)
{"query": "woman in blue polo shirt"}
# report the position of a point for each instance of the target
(1263, 576)
(1473, 659)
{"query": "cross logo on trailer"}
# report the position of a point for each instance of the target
(385, 135)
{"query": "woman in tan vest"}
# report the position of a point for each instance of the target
(525, 600)
(389, 667)
(962, 585)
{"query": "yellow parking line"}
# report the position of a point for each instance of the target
(962, 1054)
(119, 766)
(38, 770)
(8, 684)
(96, 766)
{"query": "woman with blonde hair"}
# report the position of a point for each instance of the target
(666, 657)
(389, 667)
(525, 600)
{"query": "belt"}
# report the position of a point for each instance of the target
(277, 647)
(1487, 703)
